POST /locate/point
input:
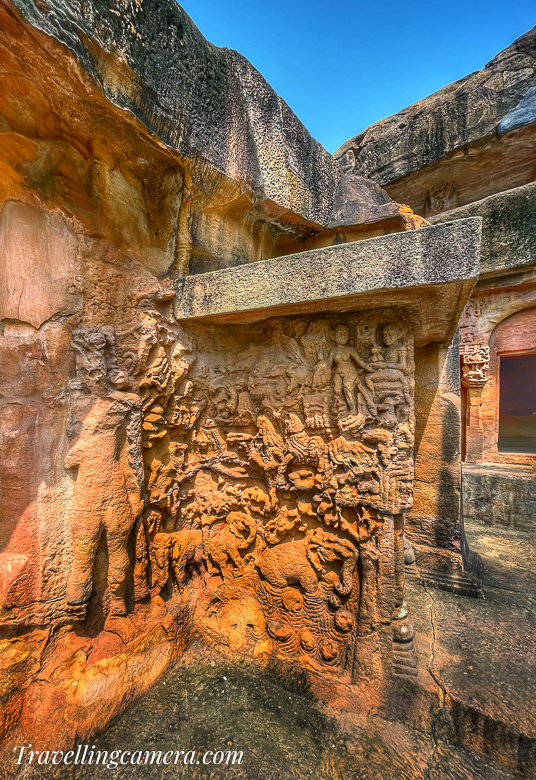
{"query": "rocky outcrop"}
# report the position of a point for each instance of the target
(523, 114)
(205, 103)
(508, 235)
(433, 155)
(163, 474)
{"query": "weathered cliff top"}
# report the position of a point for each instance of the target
(204, 102)
(459, 114)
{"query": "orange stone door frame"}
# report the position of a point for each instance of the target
(516, 335)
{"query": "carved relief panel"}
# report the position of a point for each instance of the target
(258, 473)
(277, 470)
(475, 365)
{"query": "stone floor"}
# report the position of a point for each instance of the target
(481, 652)
(283, 735)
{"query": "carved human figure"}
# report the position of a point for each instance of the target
(107, 495)
(369, 530)
(392, 365)
(300, 448)
(266, 451)
(347, 378)
(277, 508)
(164, 481)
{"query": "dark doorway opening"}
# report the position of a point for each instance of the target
(517, 404)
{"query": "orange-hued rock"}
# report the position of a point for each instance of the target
(197, 457)
(59, 686)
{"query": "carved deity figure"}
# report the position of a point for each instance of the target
(107, 495)
(347, 378)
(391, 366)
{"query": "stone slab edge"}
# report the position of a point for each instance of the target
(508, 234)
(338, 277)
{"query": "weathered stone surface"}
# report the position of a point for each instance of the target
(482, 727)
(508, 234)
(434, 519)
(206, 103)
(444, 263)
(508, 555)
(37, 257)
(206, 168)
(230, 455)
(479, 647)
(437, 154)
(499, 495)
(360, 201)
(523, 114)
(457, 115)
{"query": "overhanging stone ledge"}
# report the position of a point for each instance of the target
(429, 272)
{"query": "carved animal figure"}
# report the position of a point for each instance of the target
(224, 544)
(303, 562)
(173, 553)
(266, 451)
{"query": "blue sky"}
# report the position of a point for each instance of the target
(343, 65)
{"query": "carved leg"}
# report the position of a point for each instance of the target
(400, 571)
(179, 571)
(281, 481)
(368, 394)
(160, 558)
(348, 389)
(86, 530)
(368, 611)
(141, 560)
(117, 532)
(236, 558)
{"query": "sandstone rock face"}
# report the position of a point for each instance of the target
(192, 442)
(459, 114)
(425, 272)
(523, 114)
(206, 103)
(437, 154)
(239, 177)
(508, 236)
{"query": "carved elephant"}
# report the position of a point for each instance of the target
(303, 562)
(173, 553)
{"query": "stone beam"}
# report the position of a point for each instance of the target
(429, 272)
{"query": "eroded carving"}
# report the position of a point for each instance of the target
(286, 451)
(107, 495)
(475, 365)
(261, 472)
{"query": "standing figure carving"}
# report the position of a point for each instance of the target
(107, 495)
